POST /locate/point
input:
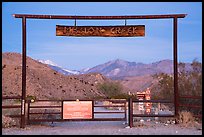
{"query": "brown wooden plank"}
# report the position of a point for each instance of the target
(11, 97)
(191, 106)
(11, 106)
(100, 17)
(191, 97)
(151, 115)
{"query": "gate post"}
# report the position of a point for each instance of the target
(176, 95)
(28, 113)
(130, 112)
(23, 97)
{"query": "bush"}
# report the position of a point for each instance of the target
(189, 83)
(8, 122)
(186, 118)
(112, 90)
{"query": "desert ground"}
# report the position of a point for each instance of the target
(102, 128)
(152, 127)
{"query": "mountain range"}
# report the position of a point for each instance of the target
(47, 80)
(119, 69)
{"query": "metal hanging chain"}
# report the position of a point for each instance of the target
(75, 22)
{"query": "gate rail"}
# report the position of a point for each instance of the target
(131, 115)
(60, 119)
(11, 106)
(190, 105)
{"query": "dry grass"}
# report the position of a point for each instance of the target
(8, 122)
(186, 119)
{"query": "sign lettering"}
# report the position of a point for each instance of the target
(101, 31)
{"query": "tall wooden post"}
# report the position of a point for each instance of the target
(176, 95)
(23, 97)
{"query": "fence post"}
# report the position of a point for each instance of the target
(28, 116)
(130, 111)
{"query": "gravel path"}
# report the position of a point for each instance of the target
(101, 128)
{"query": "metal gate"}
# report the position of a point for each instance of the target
(52, 110)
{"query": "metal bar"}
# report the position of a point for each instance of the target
(143, 115)
(192, 97)
(46, 120)
(191, 106)
(45, 106)
(11, 97)
(109, 119)
(48, 100)
(45, 113)
(109, 106)
(176, 95)
(118, 101)
(112, 100)
(61, 100)
(109, 112)
(23, 73)
(62, 120)
(154, 101)
(99, 17)
(130, 108)
(10, 106)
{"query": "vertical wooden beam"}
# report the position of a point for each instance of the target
(176, 94)
(130, 110)
(28, 116)
(23, 97)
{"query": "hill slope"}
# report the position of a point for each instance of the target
(43, 82)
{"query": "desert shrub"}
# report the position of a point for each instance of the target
(8, 122)
(112, 90)
(30, 97)
(189, 83)
(186, 118)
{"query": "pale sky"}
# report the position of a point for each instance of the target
(81, 52)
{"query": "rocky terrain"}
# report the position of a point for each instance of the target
(43, 82)
(132, 75)
(47, 80)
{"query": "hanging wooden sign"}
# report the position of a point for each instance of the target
(101, 31)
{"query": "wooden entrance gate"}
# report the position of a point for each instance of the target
(116, 32)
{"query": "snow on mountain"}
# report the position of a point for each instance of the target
(72, 71)
(59, 68)
(48, 62)
(83, 71)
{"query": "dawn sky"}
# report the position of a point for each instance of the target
(81, 52)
